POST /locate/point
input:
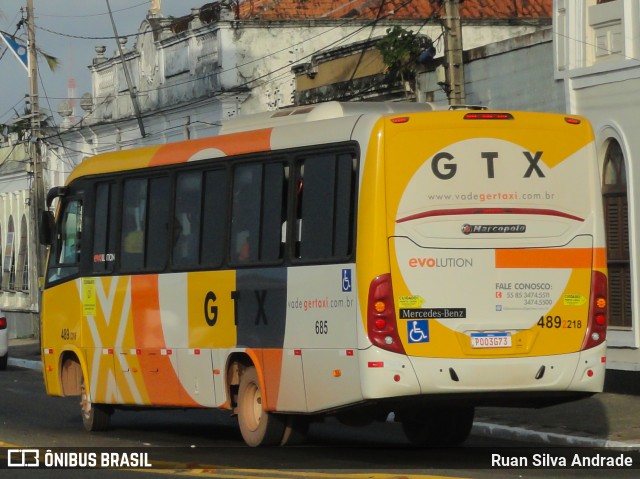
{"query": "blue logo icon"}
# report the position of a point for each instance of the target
(346, 280)
(418, 331)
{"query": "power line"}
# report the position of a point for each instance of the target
(93, 14)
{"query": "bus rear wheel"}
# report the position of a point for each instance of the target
(295, 431)
(439, 427)
(257, 426)
(95, 417)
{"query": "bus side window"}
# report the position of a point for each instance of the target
(259, 211)
(133, 225)
(186, 223)
(325, 207)
(145, 224)
(65, 261)
(104, 237)
(214, 218)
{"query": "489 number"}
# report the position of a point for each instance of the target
(557, 322)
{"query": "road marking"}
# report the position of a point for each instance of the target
(223, 472)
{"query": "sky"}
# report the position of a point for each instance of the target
(69, 30)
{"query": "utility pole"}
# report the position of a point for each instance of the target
(453, 51)
(127, 76)
(37, 184)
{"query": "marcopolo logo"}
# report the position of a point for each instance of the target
(468, 229)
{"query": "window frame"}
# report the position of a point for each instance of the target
(85, 189)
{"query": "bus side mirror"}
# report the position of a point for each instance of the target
(55, 192)
(45, 231)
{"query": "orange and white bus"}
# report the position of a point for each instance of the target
(339, 259)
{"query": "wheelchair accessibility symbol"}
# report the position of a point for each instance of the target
(346, 280)
(418, 331)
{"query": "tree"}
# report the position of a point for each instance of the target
(400, 50)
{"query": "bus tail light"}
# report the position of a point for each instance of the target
(488, 116)
(3, 322)
(382, 326)
(597, 325)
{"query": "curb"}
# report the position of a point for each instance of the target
(500, 431)
(25, 363)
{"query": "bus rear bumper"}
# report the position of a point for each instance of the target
(387, 375)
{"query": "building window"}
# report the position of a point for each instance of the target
(9, 270)
(22, 279)
(617, 225)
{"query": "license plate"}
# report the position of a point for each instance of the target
(490, 340)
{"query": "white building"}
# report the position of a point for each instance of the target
(18, 297)
(189, 74)
(597, 52)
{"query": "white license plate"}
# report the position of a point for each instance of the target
(490, 340)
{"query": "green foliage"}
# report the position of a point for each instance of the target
(399, 49)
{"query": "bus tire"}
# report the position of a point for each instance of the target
(439, 427)
(257, 426)
(460, 424)
(4, 360)
(95, 417)
(295, 430)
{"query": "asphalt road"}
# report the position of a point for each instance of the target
(207, 443)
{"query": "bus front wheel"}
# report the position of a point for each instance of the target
(95, 417)
(257, 426)
(439, 427)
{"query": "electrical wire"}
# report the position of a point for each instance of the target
(132, 7)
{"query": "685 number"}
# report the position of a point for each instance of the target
(322, 327)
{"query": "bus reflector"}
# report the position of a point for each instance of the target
(381, 316)
(488, 116)
(597, 325)
(376, 364)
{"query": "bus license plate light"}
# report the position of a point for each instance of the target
(491, 340)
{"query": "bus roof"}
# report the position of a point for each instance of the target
(249, 134)
(319, 111)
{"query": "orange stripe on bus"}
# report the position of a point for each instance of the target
(272, 364)
(232, 144)
(551, 258)
(160, 378)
